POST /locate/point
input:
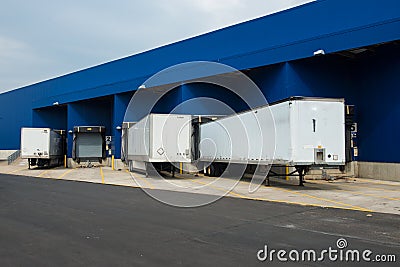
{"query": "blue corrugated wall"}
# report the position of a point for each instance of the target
(15, 112)
(96, 112)
(377, 99)
(52, 117)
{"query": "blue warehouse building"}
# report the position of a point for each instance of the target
(361, 63)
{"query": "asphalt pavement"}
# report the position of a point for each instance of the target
(369, 195)
(46, 222)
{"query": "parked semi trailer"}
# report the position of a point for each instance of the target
(158, 139)
(304, 133)
(42, 146)
(160, 142)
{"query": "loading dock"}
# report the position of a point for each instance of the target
(89, 144)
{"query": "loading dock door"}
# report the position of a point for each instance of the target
(89, 145)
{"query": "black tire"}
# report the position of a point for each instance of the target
(208, 171)
(213, 170)
(130, 166)
(205, 172)
(342, 168)
(220, 168)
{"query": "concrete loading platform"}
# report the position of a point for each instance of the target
(348, 193)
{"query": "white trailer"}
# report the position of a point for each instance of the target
(158, 139)
(300, 132)
(42, 146)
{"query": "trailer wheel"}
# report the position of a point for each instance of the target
(220, 169)
(342, 168)
(205, 171)
(41, 163)
(130, 166)
(211, 170)
(33, 162)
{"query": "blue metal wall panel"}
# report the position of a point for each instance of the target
(378, 106)
(121, 102)
(331, 76)
(272, 81)
(90, 113)
(168, 101)
(15, 112)
(205, 98)
(52, 117)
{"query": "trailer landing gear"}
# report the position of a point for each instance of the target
(173, 171)
(301, 171)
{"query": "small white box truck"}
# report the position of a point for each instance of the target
(300, 132)
(42, 146)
